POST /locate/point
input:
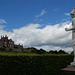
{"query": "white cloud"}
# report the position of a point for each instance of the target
(67, 14)
(41, 19)
(42, 13)
(1, 27)
(49, 38)
(38, 20)
(55, 9)
(50, 47)
(2, 21)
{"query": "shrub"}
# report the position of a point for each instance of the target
(33, 64)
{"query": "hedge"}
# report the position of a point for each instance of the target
(34, 65)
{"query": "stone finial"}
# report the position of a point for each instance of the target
(73, 11)
(74, 8)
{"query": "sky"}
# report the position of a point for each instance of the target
(37, 23)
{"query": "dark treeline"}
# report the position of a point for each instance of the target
(42, 51)
(39, 51)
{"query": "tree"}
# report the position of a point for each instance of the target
(52, 52)
(2, 49)
(72, 52)
(41, 51)
(61, 52)
(55, 52)
(33, 50)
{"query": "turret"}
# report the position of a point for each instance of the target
(1, 37)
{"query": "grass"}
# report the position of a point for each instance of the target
(9, 53)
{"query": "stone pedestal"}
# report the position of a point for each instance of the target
(73, 63)
(69, 70)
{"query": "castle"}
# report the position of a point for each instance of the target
(8, 44)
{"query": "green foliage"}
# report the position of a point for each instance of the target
(57, 52)
(52, 52)
(18, 63)
(34, 50)
(72, 52)
(61, 52)
(41, 51)
(2, 49)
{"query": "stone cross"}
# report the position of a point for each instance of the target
(73, 33)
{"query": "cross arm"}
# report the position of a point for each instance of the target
(67, 29)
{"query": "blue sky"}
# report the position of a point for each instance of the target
(18, 13)
(26, 20)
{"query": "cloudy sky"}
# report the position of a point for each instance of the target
(37, 23)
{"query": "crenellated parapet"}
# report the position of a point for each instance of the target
(9, 44)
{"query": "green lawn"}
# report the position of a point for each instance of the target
(9, 53)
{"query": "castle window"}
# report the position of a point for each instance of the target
(5, 45)
(5, 42)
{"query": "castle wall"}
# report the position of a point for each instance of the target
(9, 45)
